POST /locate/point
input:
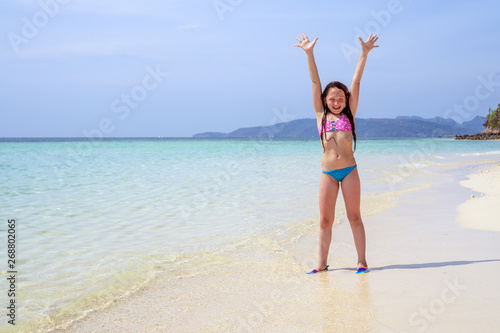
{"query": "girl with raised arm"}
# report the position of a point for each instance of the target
(335, 109)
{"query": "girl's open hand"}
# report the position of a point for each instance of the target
(369, 44)
(305, 44)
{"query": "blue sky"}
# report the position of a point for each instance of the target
(74, 68)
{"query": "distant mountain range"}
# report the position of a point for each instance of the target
(403, 126)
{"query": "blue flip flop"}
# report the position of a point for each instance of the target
(314, 271)
(362, 270)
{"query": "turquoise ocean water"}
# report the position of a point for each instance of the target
(97, 220)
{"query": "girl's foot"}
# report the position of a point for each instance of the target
(362, 269)
(314, 271)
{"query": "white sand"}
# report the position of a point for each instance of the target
(432, 275)
(428, 274)
(483, 211)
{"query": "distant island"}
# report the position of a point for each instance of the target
(492, 127)
(402, 126)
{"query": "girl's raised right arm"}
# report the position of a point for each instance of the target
(308, 47)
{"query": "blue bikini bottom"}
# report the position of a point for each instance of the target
(340, 174)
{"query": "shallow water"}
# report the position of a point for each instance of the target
(98, 220)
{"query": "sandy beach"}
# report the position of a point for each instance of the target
(477, 212)
(434, 263)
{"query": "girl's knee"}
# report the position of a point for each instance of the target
(355, 220)
(325, 222)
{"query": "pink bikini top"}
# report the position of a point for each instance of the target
(343, 124)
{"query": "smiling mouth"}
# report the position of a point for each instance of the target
(336, 109)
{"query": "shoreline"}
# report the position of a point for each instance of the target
(415, 248)
(250, 276)
(447, 276)
(482, 210)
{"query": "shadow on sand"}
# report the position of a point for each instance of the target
(418, 266)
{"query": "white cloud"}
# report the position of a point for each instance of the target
(169, 8)
(191, 26)
(89, 48)
(157, 8)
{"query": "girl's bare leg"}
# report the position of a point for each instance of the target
(328, 192)
(351, 190)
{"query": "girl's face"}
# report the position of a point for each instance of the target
(336, 100)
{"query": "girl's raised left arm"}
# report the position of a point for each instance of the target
(366, 47)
